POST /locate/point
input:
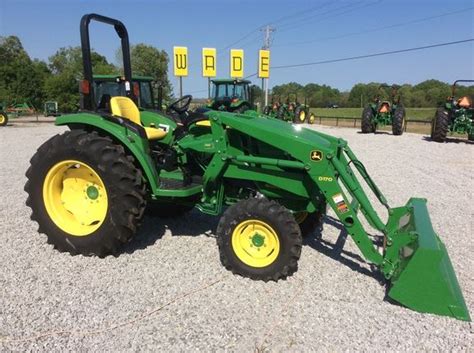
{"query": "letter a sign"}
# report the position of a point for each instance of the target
(236, 63)
(209, 62)
(264, 63)
(180, 61)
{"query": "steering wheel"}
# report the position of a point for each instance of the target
(181, 105)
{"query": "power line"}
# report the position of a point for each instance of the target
(368, 55)
(281, 19)
(418, 20)
(373, 55)
(349, 8)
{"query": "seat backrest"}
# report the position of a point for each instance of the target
(125, 108)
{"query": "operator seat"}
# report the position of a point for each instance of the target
(125, 108)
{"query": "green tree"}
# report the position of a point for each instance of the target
(21, 79)
(148, 60)
(67, 69)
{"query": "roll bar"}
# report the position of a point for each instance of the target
(87, 94)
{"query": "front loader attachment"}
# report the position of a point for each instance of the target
(424, 279)
(414, 258)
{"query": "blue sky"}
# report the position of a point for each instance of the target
(306, 31)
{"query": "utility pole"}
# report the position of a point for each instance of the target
(267, 41)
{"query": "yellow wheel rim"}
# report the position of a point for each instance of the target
(311, 119)
(300, 216)
(302, 116)
(75, 197)
(255, 243)
(2, 119)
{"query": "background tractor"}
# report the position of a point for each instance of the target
(272, 109)
(294, 111)
(51, 109)
(454, 116)
(384, 112)
(231, 95)
(270, 184)
(3, 118)
(107, 86)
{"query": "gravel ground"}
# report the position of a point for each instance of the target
(168, 291)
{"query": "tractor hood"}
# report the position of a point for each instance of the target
(297, 140)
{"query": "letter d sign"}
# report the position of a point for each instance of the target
(236, 63)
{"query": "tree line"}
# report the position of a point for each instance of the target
(23, 79)
(427, 94)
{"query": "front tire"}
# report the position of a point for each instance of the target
(85, 193)
(440, 125)
(367, 124)
(259, 239)
(398, 121)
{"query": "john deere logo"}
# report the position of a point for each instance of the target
(316, 156)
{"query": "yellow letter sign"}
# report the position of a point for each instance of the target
(180, 60)
(209, 62)
(264, 63)
(236, 63)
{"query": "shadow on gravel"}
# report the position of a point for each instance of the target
(336, 251)
(451, 140)
(152, 229)
(375, 133)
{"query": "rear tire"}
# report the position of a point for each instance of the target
(60, 202)
(259, 239)
(398, 121)
(440, 125)
(367, 125)
(281, 113)
(3, 119)
(300, 115)
(267, 110)
(311, 118)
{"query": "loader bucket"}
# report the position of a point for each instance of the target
(425, 280)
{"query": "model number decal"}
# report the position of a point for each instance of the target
(325, 178)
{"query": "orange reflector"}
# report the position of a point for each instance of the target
(85, 87)
(136, 89)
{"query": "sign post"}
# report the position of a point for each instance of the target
(264, 70)
(180, 63)
(209, 66)
(236, 63)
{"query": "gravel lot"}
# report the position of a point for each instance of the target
(153, 296)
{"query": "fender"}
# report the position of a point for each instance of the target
(127, 137)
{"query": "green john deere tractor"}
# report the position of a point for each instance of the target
(384, 112)
(230, 95)
(455, 116)
(51, 109)
(3, 118)
(269, 181)
(107, 86)
(294, 111)
(302, 112)
(272, 109)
